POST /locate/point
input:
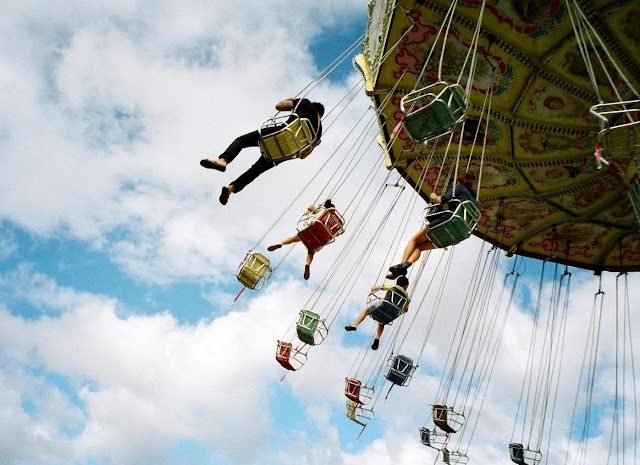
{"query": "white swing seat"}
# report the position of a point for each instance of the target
(433, 111)
(523, 456)
(292, 139)
(456, 228)
(358, 413)
(254, 271)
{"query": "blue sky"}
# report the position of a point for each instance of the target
(119, 343)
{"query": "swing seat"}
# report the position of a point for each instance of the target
(433, 111)
(433, 438)
(633, 182)
(446, 419)
(399, 369)
(293, 138)
(457, 228)
(310, 328)
(290, 357)
(451, 458)
(319, 228)
(523, 456)
(359, 414)
(254, 271)
(620, 135)
(357, 392)
(391, 305)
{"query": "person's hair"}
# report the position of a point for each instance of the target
(402, 281)
(319, 108)
(466, 179)
(329, 204)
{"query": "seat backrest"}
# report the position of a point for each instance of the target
(396, 297)
(457, 228)
(306, 326)
(516, 453)
(254, 267)
(324, 226)
(352, 389)
(400, 370)
(295, 137)
(283, 353)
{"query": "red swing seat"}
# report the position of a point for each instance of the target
(319, 228)
(289, 357)
(357, 392)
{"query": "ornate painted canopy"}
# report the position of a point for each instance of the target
(542, 193)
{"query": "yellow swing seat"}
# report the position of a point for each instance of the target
(620, 122)
(358, 413)
(283, 138)
(254, 271)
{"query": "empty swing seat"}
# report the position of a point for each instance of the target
(433, 111)
(433, 438)
(391, 304)
(310, 328)
(446, 419)
(451, 457)
(285, 137)
(620, 135)
(523, 456)
(456, 228)
(399, 369)
(357, 413)
(357, 392)
(320, 227)
(289, 357)
(254, 271)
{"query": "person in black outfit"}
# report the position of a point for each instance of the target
(313, 111)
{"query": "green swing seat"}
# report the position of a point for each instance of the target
(310, 328)
(433, 111)
(293, 138)
(457, 228)
(254, 271)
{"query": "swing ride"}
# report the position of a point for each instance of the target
(539, 100)
(541, 187)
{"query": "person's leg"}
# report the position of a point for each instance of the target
(359, 320)
(410, 255)
(376, 341)
(412, 245)
(245, 178)
(307, 266)
(287, 241)
(247, 140)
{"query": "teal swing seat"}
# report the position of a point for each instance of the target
(285, 137)
(391, 304)
(433, 111)
(523, 456)
(310, 328)
(400, 368)
(456, 228)
(433, 438)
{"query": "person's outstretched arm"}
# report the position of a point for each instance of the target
(285, 105)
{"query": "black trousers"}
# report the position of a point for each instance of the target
(260, 166)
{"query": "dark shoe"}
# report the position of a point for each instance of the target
(213, 164)
(376, 343)
(400, 269)
(307, 272)
(271, 248)
(224, 196)
(392, 276)
(350, 328)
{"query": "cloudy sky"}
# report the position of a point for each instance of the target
(119, 339)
